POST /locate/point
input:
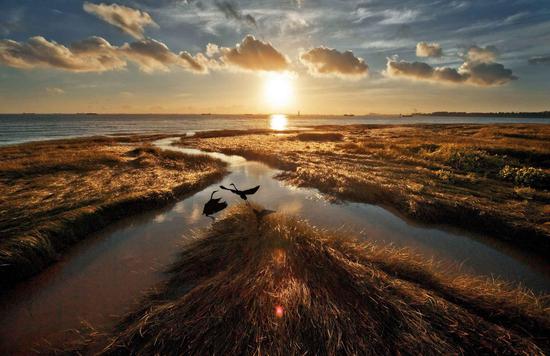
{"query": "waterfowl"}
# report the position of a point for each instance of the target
(213, 205)
(241, 193)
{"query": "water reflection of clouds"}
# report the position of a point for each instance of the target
(159, 219)
(179, 208)
(254, 171)
(291, 207)
(196, 213)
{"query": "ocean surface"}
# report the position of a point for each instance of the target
(33, 127)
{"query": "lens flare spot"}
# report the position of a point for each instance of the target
(279, 311)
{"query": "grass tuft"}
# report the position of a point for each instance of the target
(277, 286)
(320, 136)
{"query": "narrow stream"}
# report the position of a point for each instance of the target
(104, 276)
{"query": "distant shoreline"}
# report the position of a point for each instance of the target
(538, 115)
(512, 114)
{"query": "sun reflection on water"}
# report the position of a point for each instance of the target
(278, 122)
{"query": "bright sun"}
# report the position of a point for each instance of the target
(278, 90)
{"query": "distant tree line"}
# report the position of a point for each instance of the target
(540, 114)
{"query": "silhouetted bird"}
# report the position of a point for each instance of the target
(213, 205)
(242, 193)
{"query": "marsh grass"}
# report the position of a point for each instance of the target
(320, 136)
(56, 193)
(443, 174)
(277, 286)
(231, 133)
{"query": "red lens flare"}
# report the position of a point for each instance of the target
(279, 311)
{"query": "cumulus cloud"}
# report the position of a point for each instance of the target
(212, 49)
(198, 63)
(479, 68)
(38, 52)
(101, 51)
(95, 54)
(253, 55)
(150, 55)
(477, 54)
(482, 74)
(232, 12)
(486, 74)
(540, 60)
(129, 20)
(418, 70)
(322, 61)
(424, 49)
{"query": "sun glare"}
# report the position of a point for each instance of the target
(278, 90)
(278, 122)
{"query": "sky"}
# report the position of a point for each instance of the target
(274, 56)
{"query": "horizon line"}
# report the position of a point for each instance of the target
(92, 113)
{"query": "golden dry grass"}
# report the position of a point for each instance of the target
(492, 179)
(55, 193)
(277, 286)
(320, 136)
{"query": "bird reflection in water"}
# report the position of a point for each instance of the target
(213, 206)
